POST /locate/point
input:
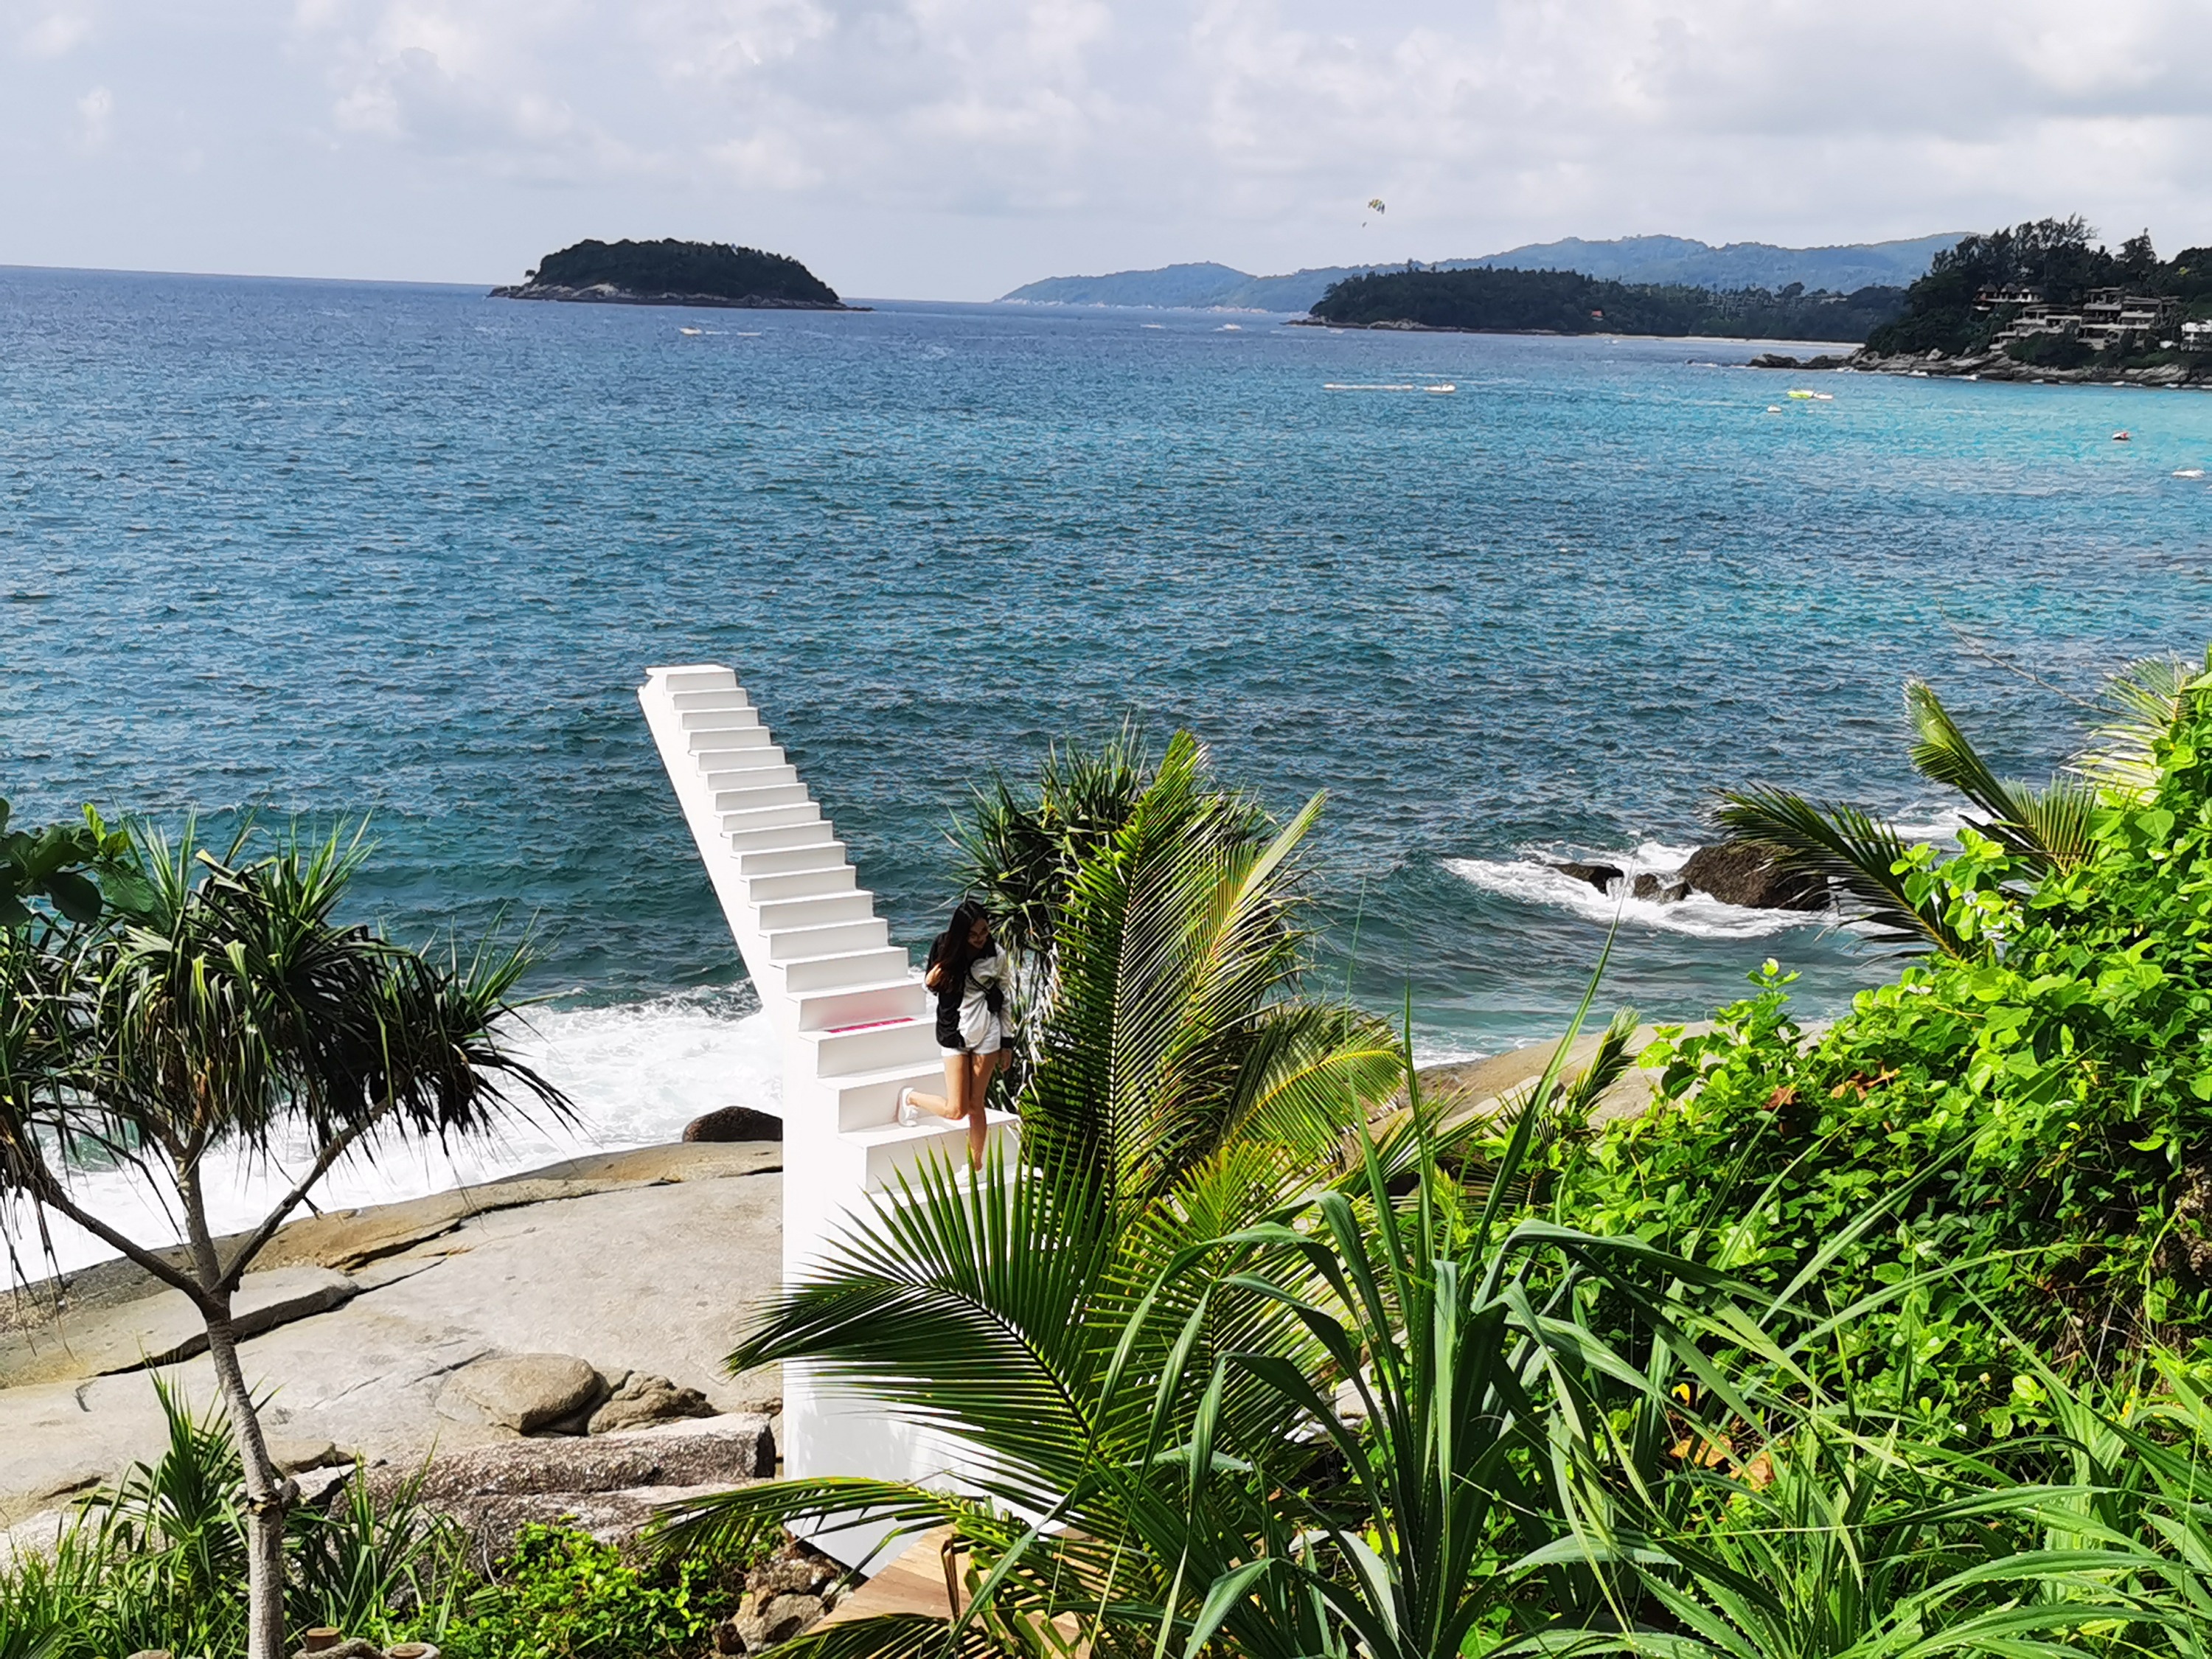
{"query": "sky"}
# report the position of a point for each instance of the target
(956, 149)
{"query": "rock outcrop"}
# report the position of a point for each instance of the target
(1997, 366)
(635, 1399)
(734, 1123)
(524, 1392)
(1600, 876)
(1737, 874)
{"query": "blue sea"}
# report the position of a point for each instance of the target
(343, 550)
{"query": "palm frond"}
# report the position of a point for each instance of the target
(2142, 703)
(1941, 753)
(2058, 819)
(1850, 849)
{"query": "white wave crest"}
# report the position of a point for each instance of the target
(637, 1073)
(1939, 823)
(1533, 880)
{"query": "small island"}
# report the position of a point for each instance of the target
(672, 273)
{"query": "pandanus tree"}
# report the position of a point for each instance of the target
(2037, 827)
(1229, 1367)
(228, 1010)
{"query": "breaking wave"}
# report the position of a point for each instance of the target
(637, 1073)
(1533, 880)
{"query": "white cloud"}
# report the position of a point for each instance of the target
(56, 32)
(95, 114)
(1084, 133)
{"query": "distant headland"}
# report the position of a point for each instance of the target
(674, 273)
(1508, 301)
(1668, 261)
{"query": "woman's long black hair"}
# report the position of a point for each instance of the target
(953, 952)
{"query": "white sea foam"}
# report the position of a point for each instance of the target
(1533, 880)
(637, 1072)
(1940, 824)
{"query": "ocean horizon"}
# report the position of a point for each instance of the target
(318, 550)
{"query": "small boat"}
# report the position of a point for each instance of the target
(2124, 437)
(1802, 396)
(1440, 386)
(1824, 397)
(1774, 409)
(2190, 472)
(690, 331)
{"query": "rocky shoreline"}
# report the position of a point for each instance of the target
(489, 1335)
(1993, 366)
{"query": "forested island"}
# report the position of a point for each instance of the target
(674, 273)
(1504, 302)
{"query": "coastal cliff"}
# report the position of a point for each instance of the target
(674, 273)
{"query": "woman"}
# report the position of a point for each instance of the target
(967, 971)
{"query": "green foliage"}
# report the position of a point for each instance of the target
(158, 1560)
(2058, 258)
(1019, 847)
(2051, 351)
(2037, 1105)
(67, 866)
(562, 1594)
(1568, 302)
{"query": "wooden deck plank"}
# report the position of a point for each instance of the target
(913, 1583)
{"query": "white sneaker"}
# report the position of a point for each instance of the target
(909, 1114)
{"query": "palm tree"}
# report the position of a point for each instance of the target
(2040, 827)
(230, 1010)
(1152, 1337)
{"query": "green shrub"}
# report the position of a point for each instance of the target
(2037, 1118)
(561, 1595)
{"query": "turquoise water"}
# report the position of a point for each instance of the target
(344, 548)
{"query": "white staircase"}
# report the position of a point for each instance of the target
(851, 1015)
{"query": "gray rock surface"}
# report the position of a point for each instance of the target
(1737, 874)
(719, 1451)
(524, 1392)
(776, 1619)
(639, 1398)
(700, 1227)
(161, 1328)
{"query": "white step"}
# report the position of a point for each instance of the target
(801, 884)
(724, 696)
(718, 719)
(702, 677)
(745, 768)
(783, 838)
(865, 1048)
(902, 997)
(869, 1100)
(842, 970)
(781, 860)
(781, 915)
(895, 1151)
(770, 818)
(703, 743)
(766, 794)
(838, 939)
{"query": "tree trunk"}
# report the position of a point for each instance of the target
(268, 1499)
(268, 1496)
